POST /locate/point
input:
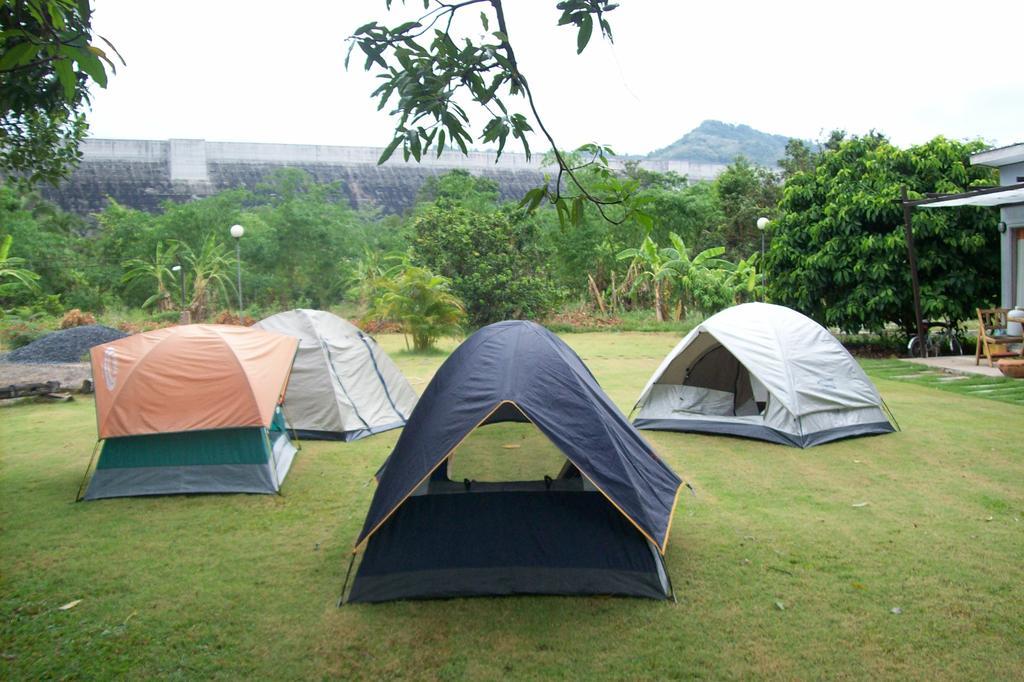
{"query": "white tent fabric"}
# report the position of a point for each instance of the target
(342, 386)
(762, 371)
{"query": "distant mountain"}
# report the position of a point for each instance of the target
(717, 142)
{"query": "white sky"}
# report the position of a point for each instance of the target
(268, 71)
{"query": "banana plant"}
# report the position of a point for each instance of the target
(12, 274)
(663, 267)
(654, 265)
(157, 269)
(743, 280)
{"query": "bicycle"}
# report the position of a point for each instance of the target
(947, 338)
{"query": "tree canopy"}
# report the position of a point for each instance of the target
(838, 249)
(48, 59)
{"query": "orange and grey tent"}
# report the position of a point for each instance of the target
(192, 409)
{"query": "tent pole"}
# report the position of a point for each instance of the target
(668, 576)
(85, 477)
(912, 256)
(344, 586)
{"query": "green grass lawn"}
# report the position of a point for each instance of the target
(245, 586)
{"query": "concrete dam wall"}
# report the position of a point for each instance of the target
(142, 174)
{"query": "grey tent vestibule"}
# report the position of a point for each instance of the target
(762, 371)
(342, 386)
(600, 527)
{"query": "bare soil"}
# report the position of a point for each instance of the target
(70, 375)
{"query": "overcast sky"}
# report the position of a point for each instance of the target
(268, 71)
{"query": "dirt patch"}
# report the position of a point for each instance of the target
(70, 375)
(584, 320)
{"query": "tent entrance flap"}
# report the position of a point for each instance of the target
(507, 542)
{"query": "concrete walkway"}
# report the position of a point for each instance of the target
(958, 364)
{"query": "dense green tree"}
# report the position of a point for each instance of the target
(48, 59)
(492, 258)
(798, 159)
(745, 193)
(48, 241)
(839, 253)
(460, 188)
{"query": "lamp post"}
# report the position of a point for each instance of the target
(185, 316)
(177, 268)
(237, 231)
(762, 225)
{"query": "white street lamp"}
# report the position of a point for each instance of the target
(177, 268)
(237, 231)
(762, 225)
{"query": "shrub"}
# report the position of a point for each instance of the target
(492, 260)
(422, 303)
(76, 318)
(18, 333)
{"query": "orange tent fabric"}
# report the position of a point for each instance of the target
(188, 378)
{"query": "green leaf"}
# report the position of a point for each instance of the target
(483, 20)
(66, 76)
(586, 29)
(390, 149)
(18, 56)
(92, 66)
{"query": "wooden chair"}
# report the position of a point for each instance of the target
(992, 337)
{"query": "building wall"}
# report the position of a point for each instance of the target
(142, 174)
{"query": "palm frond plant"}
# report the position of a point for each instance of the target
(422, 303)
(157, 269)
(13, 275)
(210, 269)
(366, 276)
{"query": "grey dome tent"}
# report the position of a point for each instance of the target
(342, 386)
(762, 371)
(601, 527)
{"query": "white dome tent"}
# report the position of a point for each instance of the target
(342, 386)
(762, 371)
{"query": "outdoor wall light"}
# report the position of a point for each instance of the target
(1001, 227)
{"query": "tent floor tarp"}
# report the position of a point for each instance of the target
(760, 431)
(241, 460)
(346, 436)
(497, 541)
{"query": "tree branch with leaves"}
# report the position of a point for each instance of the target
(48, 58)
(428, 75)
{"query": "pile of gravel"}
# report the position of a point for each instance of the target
(67, 345)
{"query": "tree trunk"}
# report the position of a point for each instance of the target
(659, 312)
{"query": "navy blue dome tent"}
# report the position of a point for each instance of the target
(601, 527)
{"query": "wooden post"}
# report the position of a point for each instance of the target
(615, 297)
(912, 256)
(597, 293)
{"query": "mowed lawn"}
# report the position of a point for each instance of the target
(927, 521)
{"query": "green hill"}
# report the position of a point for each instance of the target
(717, 142)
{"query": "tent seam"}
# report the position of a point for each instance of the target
(128, 378)
(248, 382)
